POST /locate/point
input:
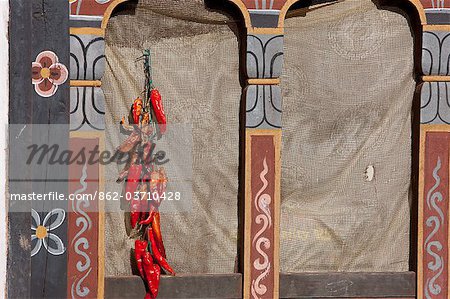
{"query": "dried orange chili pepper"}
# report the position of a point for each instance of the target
(157, 255)
(133, 179)
(152, 276)
(140, 247)
(156, 226)
(156, 100)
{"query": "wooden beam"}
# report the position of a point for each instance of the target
(180, 286)
(433, 277)
(87, 50)
(298, 285)
(85, 83)
(347, 285)
(51, 105)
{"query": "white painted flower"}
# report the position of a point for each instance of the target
(42, 232)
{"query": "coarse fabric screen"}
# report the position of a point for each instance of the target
(347, 86)
(196, 69)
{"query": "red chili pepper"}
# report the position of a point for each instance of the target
(140, 248)
(137, 110)
(154, 192)
(162, 183)
(158, 108)
(150, 217)
(158, 184)
(134, 175)
(156, 226)
(157, 255)
(152, 275)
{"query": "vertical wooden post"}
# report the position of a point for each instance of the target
(88, 22)
(434, 181)
(262, 165)
(264, 63)
(50, 112)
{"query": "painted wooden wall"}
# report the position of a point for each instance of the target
(264, 24)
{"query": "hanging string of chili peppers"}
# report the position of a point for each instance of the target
(145, 183)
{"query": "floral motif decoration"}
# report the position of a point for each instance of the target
(42, 232)
(48, 74)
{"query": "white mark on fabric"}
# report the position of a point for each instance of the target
(370, 173)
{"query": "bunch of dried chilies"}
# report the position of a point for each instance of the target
(145, 183)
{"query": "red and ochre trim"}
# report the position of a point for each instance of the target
(86, 233)
(262, 213)
(434, 210)
(85, 269)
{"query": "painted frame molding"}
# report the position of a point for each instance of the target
(264, 21)
(88, 22)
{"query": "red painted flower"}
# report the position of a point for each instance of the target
(48, 73)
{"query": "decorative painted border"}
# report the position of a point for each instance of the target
(262, 213)
(88, 21)
(434, 210)
(86, 225)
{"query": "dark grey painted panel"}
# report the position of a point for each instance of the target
(264, 20)
(87, 57)
(50, 32)
(441, 18)
(84, 23)
(182, 286)
(435, 108)
(436, 53)
(348, 285)
(263, 106)
(264, 55)
(298, 285)
(87, 111)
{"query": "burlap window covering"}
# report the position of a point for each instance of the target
(347, 86)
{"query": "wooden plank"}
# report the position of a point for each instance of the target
(51, 103)
(180, 286)
(348, 285)
(87, 54)
(303, 285)
(264, 64)
(20, 112)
